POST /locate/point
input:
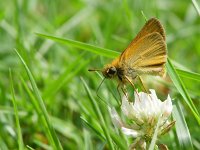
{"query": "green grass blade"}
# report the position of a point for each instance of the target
(196, 6)
(87, 140)
(67, 26)
(67, 75)
(93, 128)
(67, 129)
(30, 147)
(155, 135)
(19, 132)
(55, 142)
(182, 130)
(120, 142)
(182, 90)
(3, 144)
(99, 116)
(188, 74)
(42, 145)
(37, 108)
(84, 46)
(32, 98)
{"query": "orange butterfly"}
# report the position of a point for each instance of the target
(146, 54)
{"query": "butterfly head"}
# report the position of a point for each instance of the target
(109, 72)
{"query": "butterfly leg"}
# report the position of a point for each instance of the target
(132, 86)
(124, 90)
(144, 86)
(118, 86)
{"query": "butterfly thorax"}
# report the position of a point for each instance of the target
(113, 72)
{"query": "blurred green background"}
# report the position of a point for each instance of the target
(57, 68)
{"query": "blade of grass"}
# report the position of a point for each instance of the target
(33, 100)
(87, 140)
(89, 120)
(3, 144)
(182, 130)
(9, 110)
(118, 139)
(196, 143)
(30, 147)
(67, 26)
(19, 132)
(182, 90)
(196, 6)
(42, 145)
(188, 74)
(99, 116)
(66, 76)
(84, 46)
(55, 142)
(67, 129)
(93, 128)
(153, 141)
(37, 107)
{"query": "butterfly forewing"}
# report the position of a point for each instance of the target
(151, 26)
(147, 55)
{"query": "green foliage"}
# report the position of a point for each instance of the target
(19, 133)
(181, 88)
(183, 134)
(52, 108)
(42, 112)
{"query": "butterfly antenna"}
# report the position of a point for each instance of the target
(94, 69)
(100, 85)
(98, 91)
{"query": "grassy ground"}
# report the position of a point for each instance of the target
(48, 98)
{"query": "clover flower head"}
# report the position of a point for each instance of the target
(144, 114)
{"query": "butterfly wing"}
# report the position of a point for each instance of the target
(146, 55)
(151, 26)
(147, 51)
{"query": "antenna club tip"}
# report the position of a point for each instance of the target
(94, 69)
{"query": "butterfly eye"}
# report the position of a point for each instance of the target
(112, 70)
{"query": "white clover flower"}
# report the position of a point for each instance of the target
(144, 114)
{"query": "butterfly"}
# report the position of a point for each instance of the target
(146, 54)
